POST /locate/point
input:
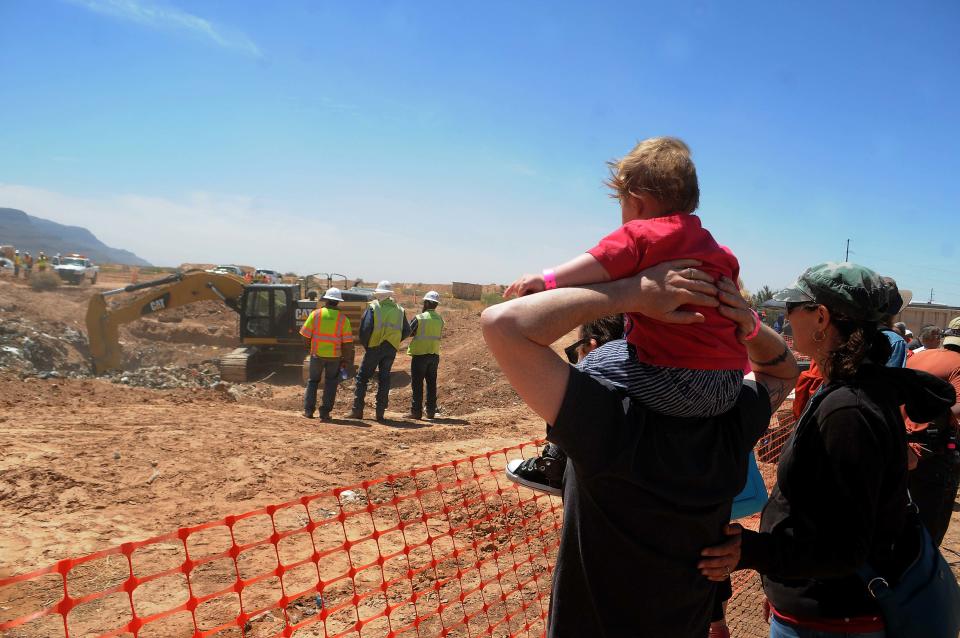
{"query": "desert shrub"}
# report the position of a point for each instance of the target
(491, 298)
(44, 281)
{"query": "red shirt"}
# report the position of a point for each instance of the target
(642, 243)
(943, 364)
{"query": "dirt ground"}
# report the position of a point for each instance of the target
(79, 453)
(87, 463)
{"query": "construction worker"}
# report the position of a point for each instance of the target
(382, 327)
(331, 350)
(424, 350)
(41, 262)
(248, 277)
(16, 264)
(28, 264)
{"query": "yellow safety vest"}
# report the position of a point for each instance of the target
(429, 329)
(387, 323)
(328, 329)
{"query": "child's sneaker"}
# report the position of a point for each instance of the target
(542, 473)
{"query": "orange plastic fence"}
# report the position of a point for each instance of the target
(453, 549)
(449, 550)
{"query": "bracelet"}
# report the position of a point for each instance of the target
(549, 279)
(756, 326)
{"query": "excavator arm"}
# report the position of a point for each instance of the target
(180, 289)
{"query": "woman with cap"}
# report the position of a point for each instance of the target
(840, 500)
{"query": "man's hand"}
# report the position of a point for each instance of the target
(719, 560)
(660, 291)
(735, 308)
(526, 285)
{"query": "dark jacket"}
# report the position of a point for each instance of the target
(841, 494)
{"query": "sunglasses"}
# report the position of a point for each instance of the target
(571, 350)
(806, 305)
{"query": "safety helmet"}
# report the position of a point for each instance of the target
(433, 296)
(333, 294)
(384, 288)
(16, 252)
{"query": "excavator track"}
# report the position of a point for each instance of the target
(236, 367)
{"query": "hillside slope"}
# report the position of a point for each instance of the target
(34, 234)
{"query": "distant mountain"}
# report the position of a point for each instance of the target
(32, 234)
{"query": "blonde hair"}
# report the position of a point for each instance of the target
(662, 167)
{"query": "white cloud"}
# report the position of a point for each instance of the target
(169, 17)
(334, 236)
(199, 228)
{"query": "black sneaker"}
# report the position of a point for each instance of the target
(543, 473)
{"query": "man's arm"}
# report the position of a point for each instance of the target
(519, 332)
(366, 328)
(771, 360)
(774, 366)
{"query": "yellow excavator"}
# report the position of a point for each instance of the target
(270, 318)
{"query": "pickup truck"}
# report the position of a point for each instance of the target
(73, 269)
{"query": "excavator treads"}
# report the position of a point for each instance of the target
(235, 366)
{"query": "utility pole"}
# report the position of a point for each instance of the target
(847, 256)
(931, 296)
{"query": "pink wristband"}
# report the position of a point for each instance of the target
(756, 326)
(549, 279)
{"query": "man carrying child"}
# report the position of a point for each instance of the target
(656, 427)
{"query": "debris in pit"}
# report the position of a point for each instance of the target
(168, 377)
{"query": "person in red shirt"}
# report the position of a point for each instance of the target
(934, 458)
(692, 370)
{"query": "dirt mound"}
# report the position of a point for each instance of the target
(35, 340)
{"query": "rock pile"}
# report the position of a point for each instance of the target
(29, 350)
(197, 375)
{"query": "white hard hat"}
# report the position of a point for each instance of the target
(433, 296)
(384, 287)
(333, 294)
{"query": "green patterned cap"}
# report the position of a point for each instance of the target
(850, 289)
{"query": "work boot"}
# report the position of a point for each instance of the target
(414, 416)
(308, 414)
(355, 414)
(381, 418)
(325, 416)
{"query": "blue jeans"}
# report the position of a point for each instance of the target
(780, 629)
(329, 369)
(378, 359)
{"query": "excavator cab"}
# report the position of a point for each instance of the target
(267, 314)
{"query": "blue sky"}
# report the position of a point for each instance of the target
(429, 141)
